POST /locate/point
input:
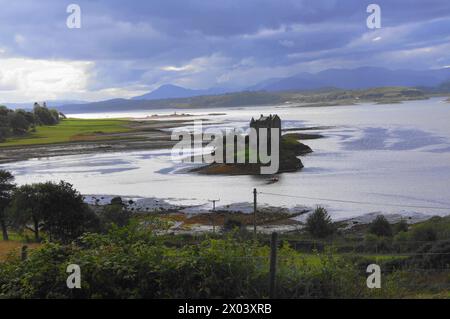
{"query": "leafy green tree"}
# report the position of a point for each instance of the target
(45, 116)
(319, 223)
(18, 122)
(27, 211)
(55, 114)
(6, 188)
(380, 227)
(4, 123)
(401, 226)
(57, 209)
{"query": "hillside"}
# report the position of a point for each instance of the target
(359, 78)
(239, 99)
(170, 91)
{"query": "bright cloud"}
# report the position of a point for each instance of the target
(32, 79)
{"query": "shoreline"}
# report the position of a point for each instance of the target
(199, 218)
(144, 135)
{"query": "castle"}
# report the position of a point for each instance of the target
(271, 121)
(268, 122)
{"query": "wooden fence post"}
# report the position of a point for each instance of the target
(273, 266)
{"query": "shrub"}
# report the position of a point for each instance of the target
(433, 255)
(114, 214)
(424, 233)
(401, 241)
(117, 201)
(401, 226)
(126, 264)
(374, 243)
(231, 224)
(319, 223)
(380, 227)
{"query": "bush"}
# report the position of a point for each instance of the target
(231, 224)
(401, 226)
(319, 223)
(117, 201)
(114, 214)
(380, 227)
(374, 243)
(433, 256)
(424, 233)
(133, 263)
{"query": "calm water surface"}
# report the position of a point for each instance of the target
(385, 154)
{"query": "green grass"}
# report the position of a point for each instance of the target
(71, 130)
(315, 260)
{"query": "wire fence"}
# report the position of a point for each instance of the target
(327, 272)
(357, 202)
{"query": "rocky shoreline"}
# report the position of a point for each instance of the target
(199, 219)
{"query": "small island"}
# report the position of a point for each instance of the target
(289, 150)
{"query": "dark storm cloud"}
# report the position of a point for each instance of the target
(235, 42)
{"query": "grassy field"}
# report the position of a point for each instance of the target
(71, 130)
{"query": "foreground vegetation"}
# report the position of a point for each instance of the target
(134, 262)
(125, 255)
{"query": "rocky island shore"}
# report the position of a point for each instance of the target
(290, 149)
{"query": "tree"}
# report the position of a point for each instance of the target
(26, 211)
(380, 227)
(18, 122)
(6, 188)
(45, 116)
(402, 226)
(319, 223)
(57, 209)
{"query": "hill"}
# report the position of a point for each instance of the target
(359, 78)
(170, 91)
(315, 98)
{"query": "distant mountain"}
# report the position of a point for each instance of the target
(360, 78)
(223, 100)
(170, 91)
(320, 97)
(325, 86)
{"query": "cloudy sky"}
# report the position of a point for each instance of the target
(126, 48)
